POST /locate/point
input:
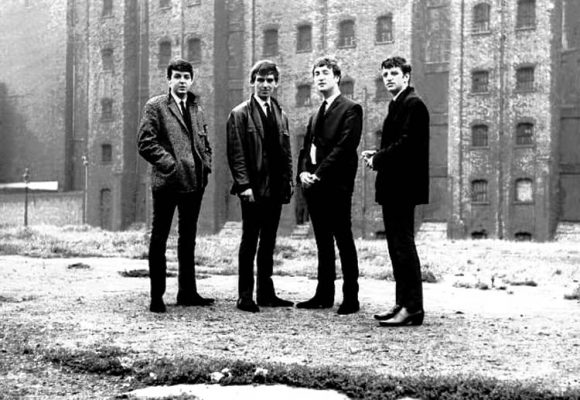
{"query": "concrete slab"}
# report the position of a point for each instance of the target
(234, 392)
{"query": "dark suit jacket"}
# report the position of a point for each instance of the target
(402, 162)
(336, 155)
(166, 143)
(245, 148)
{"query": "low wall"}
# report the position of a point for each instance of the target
(61, 208)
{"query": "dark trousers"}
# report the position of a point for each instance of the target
(188, 206)
(260, 220)
(330, 213)
(400, 231)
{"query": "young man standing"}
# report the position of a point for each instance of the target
(260, 160)
(173, 139)
(402, 165)
(327, 168)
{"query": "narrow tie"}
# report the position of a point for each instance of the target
(185, 114)
(319, 128)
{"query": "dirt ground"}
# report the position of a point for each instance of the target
(523, 334)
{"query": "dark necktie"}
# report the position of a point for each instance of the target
(186, 116)
(319, 128)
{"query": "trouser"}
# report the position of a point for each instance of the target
(260, 220)
(400, 232)
(188, 206)
(330, 213)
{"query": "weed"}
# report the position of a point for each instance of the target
(525, 282)
(575, 295)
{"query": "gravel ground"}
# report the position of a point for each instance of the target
(524, 333)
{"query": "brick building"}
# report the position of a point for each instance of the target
(501, 79)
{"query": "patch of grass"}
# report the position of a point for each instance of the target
(369, 386)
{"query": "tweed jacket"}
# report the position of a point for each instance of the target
(402, 162)
(246, 147)
(336, 149)
(166, 143)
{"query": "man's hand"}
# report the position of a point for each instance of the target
(368, 157)
(308, 179)
(247, 195)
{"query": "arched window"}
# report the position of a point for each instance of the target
(479, 136)
(481, 14)
(384, 29)
(346, 36)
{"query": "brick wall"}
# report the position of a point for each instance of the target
(43, 208)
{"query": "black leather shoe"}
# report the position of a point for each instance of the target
(404, 318)
(274, 302)
(195, 300)
(388, 314)
(315, 303)
(248, 305)
(348, 307)
(157, 306)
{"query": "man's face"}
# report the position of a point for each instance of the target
(394, 79)
(324, 79)
(264, 86)
(180, 82)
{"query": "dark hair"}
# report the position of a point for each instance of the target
(397, 62)
(330, 63)
(180, 65)
(264, 67)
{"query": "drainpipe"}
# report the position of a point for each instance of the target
(502, 105)
(461, 94)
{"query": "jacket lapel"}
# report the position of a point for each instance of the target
(255, 114)
(174, 108)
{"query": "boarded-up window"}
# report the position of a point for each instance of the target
(346, 34)
(106, 153)
(526, 14)
(479, 191)
(194, 50)
(303, 96)
(164, 53)
(347, 88)
(384, 29)
(164, 3)
(438, 34)
(481, 17)
(525, 78)
(106, 109)
(480, 81)
(525, 133)
(271, 42)
(107, 58)
(304, 38)
(524, 191)
(107, 8)
(479, 136)
(105, 208)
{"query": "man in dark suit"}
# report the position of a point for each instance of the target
(173, 139)
(260, 160)
(326, 170)
(402, 165)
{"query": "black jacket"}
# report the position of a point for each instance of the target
(165, 142)
(336, 152)
(402, 162)
(246, 149)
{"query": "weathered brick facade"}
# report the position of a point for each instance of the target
(501, 80)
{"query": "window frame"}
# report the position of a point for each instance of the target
(342, 38)
(380, 40)
(299, 29)
(480, 196)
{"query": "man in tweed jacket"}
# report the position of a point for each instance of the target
(173, 139)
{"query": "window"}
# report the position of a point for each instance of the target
(381, 92)
(193, 3)
(479, 191)
(164, 3)
(164, 53)
(525, 78)
(106, 153)
(271, 42)
(194, 50)
(525, 133)
(304, 39)
(107, 58)
(524, 191)
(347, 88)
(479, 136)
(526, 14)
(106, 109)
(523, 236)
(438, 46)
(384, 29)
(346, 34)
(107, 8)
(481, 18)
(482, 234)
(303, 96)
(480, 81)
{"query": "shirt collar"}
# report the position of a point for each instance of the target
(398, 94)
(178, 100)
(263, 103)
(331, 99)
